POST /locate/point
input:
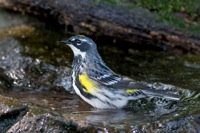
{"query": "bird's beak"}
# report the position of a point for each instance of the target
(62, 41)
(65, 42)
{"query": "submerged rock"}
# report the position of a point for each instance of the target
(16, 117)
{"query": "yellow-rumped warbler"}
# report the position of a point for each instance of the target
(97, 84)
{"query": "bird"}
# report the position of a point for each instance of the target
(100, 86)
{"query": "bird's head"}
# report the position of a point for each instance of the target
(81, 45)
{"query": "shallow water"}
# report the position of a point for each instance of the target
(35, 68)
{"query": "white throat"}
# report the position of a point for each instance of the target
(77, 51)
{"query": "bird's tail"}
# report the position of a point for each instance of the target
(161, 94)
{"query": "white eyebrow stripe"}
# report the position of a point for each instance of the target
(84, 40)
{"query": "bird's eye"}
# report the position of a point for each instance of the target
(78, 42)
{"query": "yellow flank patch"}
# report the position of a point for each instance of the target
(131, 91)
(90, 86)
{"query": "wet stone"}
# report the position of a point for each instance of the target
(16, 117)
(43, 123)
(9, 118)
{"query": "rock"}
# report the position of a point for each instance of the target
(16, 117)
(10, 117)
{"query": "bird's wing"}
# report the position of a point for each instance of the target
(128, 83)
(106, 79)
(116, 82)
(132, 88)
(103, 74)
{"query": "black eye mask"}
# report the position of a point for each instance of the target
(83, 46)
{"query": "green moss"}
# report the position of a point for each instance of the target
(179, 13)
(182, 14)
(9, 101)
(20, 31)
